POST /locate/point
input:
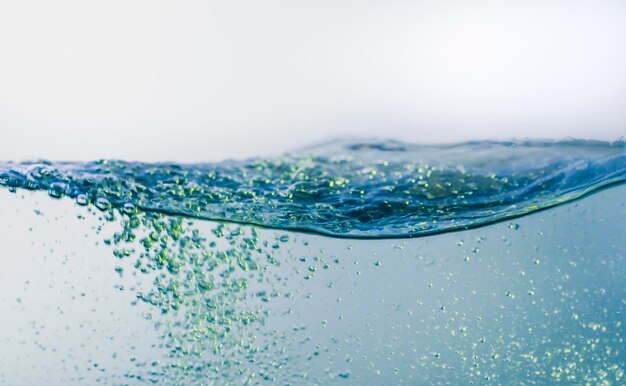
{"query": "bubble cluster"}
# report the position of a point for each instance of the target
(203, 298)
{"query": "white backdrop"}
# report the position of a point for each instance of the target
(204, 80)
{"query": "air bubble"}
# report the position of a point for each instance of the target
(57, 190)
(102, 203)
(129, 209)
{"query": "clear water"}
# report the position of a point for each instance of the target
(226, 273)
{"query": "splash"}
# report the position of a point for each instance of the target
(352, 189)
(214, 295)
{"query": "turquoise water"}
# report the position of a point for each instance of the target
(347, 188)
(225, 273)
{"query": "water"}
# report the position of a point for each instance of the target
(347, 188)
(225, 273)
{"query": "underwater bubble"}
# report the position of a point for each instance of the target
(129, 209)
(57, 189)
(102, 203)
(82, 199)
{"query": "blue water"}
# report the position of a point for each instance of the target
(348, 188)
(224, 273)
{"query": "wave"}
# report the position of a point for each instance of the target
(346, 188)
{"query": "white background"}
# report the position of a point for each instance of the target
(203, 80)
